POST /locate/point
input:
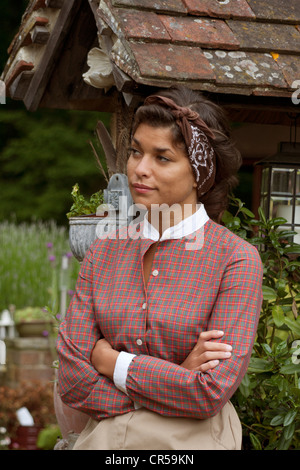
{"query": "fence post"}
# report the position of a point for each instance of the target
(2, 353)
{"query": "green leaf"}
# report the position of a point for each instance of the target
(226, 217)
(278, 315)
(267, 349)
(289, 417)
(292, 249)
(293, 325)
(290, 369)
(247, 212)
(286, 233)
(262, 215)
(244, 387)
(284, 443)
(277, 221)
(289, 431)
(258, 365)
(234, 223)
(255, 441)
(268, 293)
(281, 286)
(277, 420)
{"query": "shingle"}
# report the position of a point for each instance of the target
(171, 62)
(146, 25)
(167, 6)
(257, 36)
(290, 68)
(200, 32)
(215, 8)
(245, 68)
(287, 11)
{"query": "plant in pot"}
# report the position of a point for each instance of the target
(33, 322)
(83, 220)
(105, 210)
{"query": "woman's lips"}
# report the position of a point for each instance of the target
(141, 188)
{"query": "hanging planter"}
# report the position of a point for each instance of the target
(82, 233)
(104, 213)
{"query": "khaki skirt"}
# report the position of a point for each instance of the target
(145, 430)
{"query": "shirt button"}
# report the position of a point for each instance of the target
(155, 272)
(139, 342)
(144, 306)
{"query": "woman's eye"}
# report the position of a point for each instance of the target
(134, 151)
(162, 159)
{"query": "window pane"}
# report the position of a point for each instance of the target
(297, 237)
(282, 181)
(297, 211)
(281, 207)
(265, 181)
(297, 181)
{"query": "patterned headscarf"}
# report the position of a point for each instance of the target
(195, 134)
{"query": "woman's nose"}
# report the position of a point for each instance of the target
(143, 168)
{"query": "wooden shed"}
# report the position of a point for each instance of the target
(107, 55)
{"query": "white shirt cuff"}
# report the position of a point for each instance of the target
(120, 373)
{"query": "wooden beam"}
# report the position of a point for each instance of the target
(54, 3)
(45, 68)
(66, 88)
(19, 86)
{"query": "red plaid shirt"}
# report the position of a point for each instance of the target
(217, 286)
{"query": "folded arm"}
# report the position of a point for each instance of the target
(80, 385)
(180, 390)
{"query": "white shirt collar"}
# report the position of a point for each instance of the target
(184, 228)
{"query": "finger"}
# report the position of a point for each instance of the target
(208, 366)
(212, 346)
(213, 355)
(212, 334)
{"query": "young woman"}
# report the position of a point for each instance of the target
(140, 348)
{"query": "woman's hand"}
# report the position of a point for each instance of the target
(104, 358)
(207, 354)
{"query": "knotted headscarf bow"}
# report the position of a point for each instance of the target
(195, 133)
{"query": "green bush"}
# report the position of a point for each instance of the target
(41, 156)
(268, 399)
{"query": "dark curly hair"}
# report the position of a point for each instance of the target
(228, 158)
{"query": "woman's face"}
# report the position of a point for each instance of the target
(159, 172)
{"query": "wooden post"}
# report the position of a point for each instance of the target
(120, 131)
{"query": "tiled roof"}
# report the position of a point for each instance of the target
(227, 46)
(224, 46)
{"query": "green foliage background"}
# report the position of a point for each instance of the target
(42, 154)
